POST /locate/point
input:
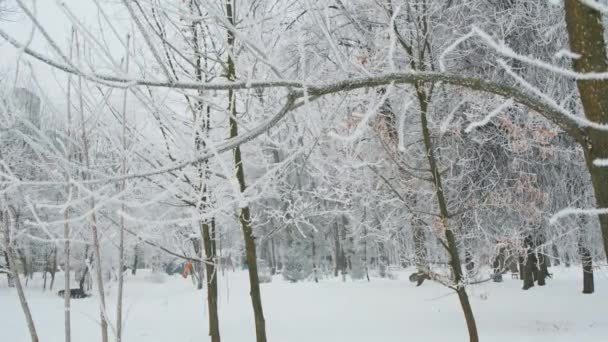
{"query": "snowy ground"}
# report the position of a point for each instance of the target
(170, 309)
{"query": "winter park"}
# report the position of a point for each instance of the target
(303, 170)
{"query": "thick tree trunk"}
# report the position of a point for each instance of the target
(521, 266)
(586, 35)
(468, 314)
(529, 270)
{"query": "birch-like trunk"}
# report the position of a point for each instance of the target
(121, 243)
(96, 245)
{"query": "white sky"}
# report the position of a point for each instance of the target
(58, 25)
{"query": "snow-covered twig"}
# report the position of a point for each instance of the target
(508, 103)
(576, 211)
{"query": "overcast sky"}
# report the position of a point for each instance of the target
(57, 24)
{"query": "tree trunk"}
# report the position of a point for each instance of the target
(13, 269)
(337, 248)
(245, 215)
(135, 256)
(468, 314)
(96, 245)
(44, 271)
(450, 239)
(529, 269)
(198, 250)
(543, 268)
(99, 277)
(586, 35)
(66, 276)
(365, 261)
(208, 233)
(556, 261)
(53, 268)
(420, 253)
(202, 124)
(521, 265)
(121, 242)
(469, 263)
(314, 259)
(24, 264)
(9, 274)
(274, 268)
(587, 261)
(499, 265)
(344, 261)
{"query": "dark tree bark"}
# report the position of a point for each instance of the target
(245, 215)
(208, 232)
(198, 273)
(135, 260)
(449, 236)
(543, 270)
(202, 118)
(529, 270)
(469, 263)
(587, 262)
(420, 252)
(314, 259)
(9, 275)
(273, 254)
(498, 265)
(586, 34)
(53, 268)
(44, 271)
(338, 250)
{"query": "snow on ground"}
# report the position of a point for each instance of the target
(163, 308)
